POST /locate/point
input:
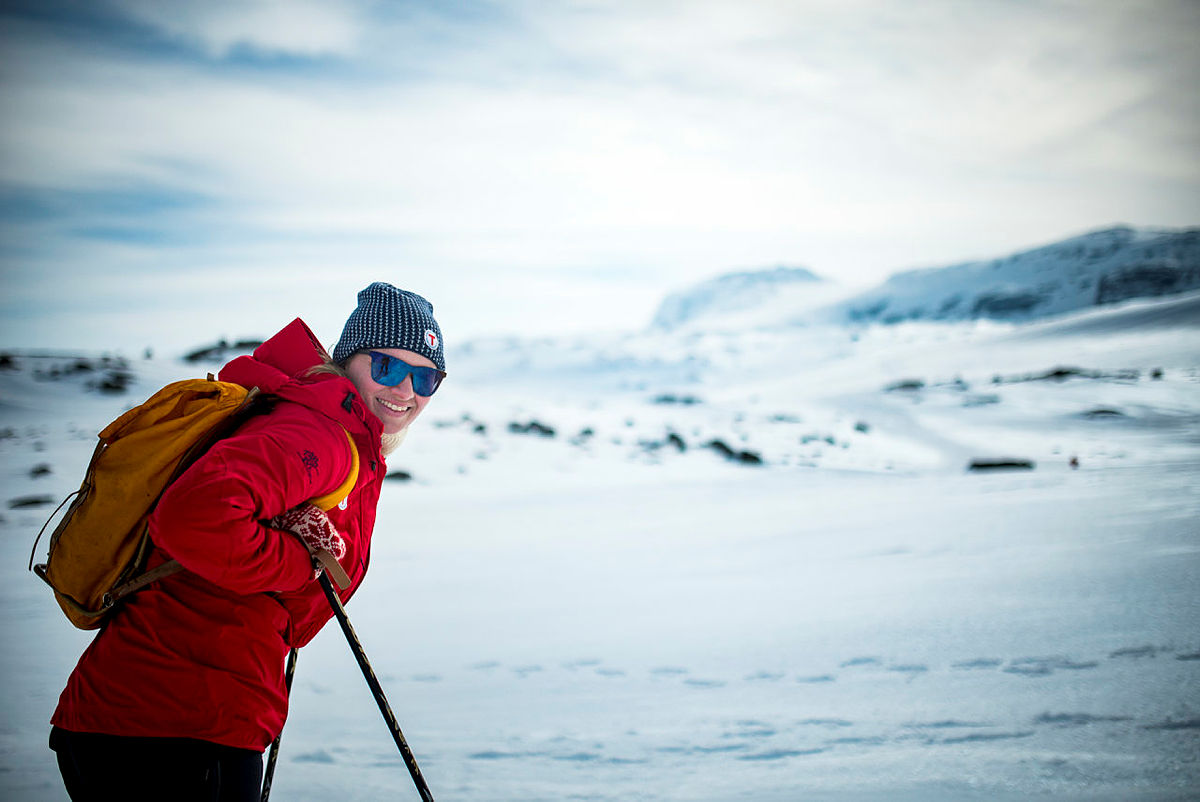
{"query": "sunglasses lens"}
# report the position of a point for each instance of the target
(382, 366)
(390, 371)
(423, 382)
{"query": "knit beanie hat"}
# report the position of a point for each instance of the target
(390, 318)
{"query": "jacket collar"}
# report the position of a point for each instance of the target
(280, 367)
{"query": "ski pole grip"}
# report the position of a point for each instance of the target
(332, 567)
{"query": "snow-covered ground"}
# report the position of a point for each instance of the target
(830, 607)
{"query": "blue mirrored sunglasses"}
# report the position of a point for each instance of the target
(390, 371)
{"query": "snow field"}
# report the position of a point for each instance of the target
(609, 617)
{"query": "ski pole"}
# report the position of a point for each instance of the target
(376, 689)
(269, 775)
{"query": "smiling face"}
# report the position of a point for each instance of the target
(396, 406)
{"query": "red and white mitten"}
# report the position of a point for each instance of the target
(313, 526)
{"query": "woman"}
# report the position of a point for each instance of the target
(180, 693)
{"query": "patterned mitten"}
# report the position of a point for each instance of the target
(313, 526)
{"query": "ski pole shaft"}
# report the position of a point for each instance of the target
(389, 717)
(269, 774)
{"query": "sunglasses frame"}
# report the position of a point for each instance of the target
(410, 370)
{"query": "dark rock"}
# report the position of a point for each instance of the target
(1001, 304)
(906, 385)
(221, 350)
(1001, 464)
(1146, 280)
(1156, 374)
(583, 437)
(674, 439)
(7, 362)
(27, 502)
(744, 457)
(862, 426)
(685, 400)
(42, 469)
(532, 427)
(720, 447)
(1102, 412)
(208, 352)
(114, 382)
(398, 476)
(1062, 373)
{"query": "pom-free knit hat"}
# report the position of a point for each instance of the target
(390, 318)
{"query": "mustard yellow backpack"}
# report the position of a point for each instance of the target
(98, 552)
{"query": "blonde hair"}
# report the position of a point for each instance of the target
(327, 366)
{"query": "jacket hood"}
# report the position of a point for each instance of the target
(280, 367)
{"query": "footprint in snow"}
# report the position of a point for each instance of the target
(1045, 666)
(855, 662)
(824, 722)
(978, 663)
(947, 724)
(913, 671)
(668, 671)
(1134, 653)
(1172, 724)
(486, 665)
(525, 671)
(751, 728)
(704, 683)
(1075, 719)
(866, 740)
(781, 754)
(587, 662)
(984, 737)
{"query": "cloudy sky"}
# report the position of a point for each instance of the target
(175, 171)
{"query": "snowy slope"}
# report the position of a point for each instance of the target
(607, 606)
(1102, 267)
(745, 299)
(1095, 269)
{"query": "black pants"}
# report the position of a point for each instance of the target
(99, 768)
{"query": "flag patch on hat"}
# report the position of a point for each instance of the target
(431, 339)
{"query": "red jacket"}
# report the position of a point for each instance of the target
(201, 654)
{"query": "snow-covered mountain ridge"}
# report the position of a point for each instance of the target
(734, 292)
(1095, 269)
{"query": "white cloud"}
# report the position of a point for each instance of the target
(293, 27)
(675, 139)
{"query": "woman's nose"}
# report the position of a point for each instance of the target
(405, 388)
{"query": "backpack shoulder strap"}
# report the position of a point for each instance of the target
(331, 500)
